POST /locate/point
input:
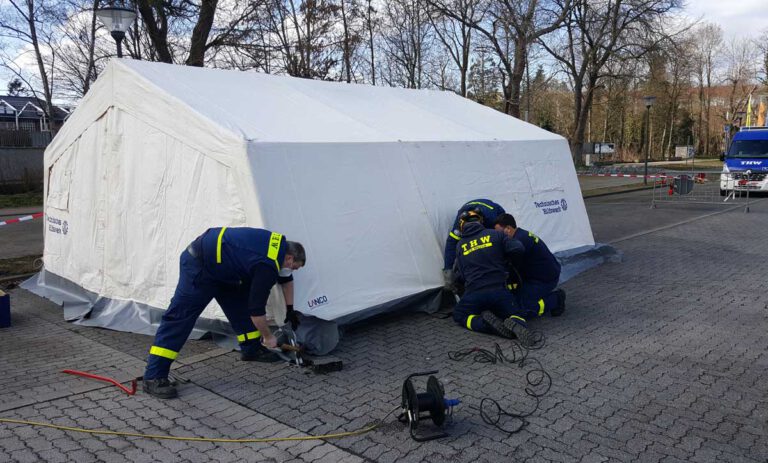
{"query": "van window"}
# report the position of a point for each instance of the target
(748, 149)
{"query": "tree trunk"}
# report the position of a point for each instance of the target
(91, 70)
(347, 51)
(40, 63)
(369, 20)
(516, 78)
(157, 35)
(200, 33)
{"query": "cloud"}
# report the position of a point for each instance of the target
(738, 18)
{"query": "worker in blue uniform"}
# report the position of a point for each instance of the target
(481, 262)
(488, 210)
(238, 267)
(538, 269)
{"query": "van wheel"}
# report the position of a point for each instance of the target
(722, 192)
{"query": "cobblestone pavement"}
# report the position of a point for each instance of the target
(661, 358)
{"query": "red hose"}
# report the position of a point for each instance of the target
(130, 391)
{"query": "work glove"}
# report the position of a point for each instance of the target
(448, 280)
(292, 317)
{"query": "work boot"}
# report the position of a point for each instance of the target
(557, 311)
(519, 331)
(161, 388)
(497, 325)
(257, 353)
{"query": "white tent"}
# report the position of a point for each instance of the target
(367, 178)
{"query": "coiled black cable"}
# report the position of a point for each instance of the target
(537, 379)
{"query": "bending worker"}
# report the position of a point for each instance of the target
(488, 210)
(238, 267)
(538, 269)
(482, 258)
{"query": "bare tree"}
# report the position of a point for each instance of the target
(510, 28)
(706, 51)
(371, 25)
(407, 41)
(31, 23)
(168, 23)
(456, 35)
(741, 59)
(595, 34)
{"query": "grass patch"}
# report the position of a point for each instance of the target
(19, 265)
(708, 164)
(21, 200)
(616, 189)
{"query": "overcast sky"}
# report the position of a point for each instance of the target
(738, 18)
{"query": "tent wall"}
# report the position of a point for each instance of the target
(374, 216)
(124, 200)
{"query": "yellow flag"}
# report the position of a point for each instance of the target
(761, 114)
(749, 112)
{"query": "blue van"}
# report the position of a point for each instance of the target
(745, 164)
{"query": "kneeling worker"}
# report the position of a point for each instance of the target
(488, 210)
(539, 271)
(481, 261)
(238, 267)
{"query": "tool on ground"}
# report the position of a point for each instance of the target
(288, 347)
(431, 404)
(130, 391)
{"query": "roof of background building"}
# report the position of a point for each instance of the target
(30, 112)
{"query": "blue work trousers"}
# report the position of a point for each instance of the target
(499, 301)
(536, 298)
(194, 292)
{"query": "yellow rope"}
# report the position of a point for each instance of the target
(194, 439)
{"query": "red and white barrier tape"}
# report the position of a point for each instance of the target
(625, 175)
(22, 219)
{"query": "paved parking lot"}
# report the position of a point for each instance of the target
(660, 358)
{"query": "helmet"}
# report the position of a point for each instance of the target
(469, 216)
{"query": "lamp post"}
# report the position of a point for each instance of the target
(117, 20)
(648, 100)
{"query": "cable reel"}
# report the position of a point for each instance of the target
(431, 404)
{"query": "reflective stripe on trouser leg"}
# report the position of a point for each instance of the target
(163, 352)
(519, 320)
(541, 307)
(241, 338)
(469, 322)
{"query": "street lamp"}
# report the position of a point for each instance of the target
(648, 101)
(117, 20)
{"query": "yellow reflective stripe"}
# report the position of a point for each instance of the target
(518, 318)
(541, 307)
(252, 335)
(480, 203)
(469, 322)
(454, 236)
(218, 245)
(274, 248)
(163, 352)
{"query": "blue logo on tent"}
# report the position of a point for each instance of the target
(564, 204)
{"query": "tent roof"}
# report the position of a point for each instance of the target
(268, 108)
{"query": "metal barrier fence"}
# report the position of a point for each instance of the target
(708, 187)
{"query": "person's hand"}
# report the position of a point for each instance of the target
(270, 342)
(292, 317)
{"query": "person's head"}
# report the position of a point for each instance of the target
(468, 217)
(295, 257)
(505, 223)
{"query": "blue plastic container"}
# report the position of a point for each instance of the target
(5, 310)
